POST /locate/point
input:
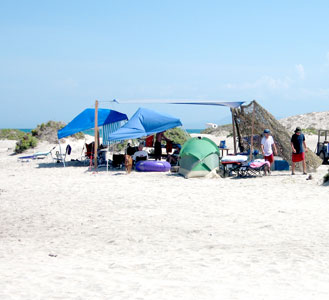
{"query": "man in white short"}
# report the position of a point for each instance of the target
(140, 152)
(268, 146)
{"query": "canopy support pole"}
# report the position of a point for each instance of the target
(234, 134)
(60, 153)
(107, 161)
(252, 131)
(96, 134)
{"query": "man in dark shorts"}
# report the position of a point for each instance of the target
(298, 147)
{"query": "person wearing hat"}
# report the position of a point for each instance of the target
(268, 146)
(298, 147)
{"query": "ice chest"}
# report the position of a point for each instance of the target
(281, 165)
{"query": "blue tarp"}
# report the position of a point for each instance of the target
(86, 120)
(228, 104)
(143, 123)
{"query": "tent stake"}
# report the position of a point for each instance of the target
(96, 134)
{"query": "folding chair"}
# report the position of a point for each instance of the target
(230, 168)
(118, 161)
(231, 163)
(139, 158)
(253, 169)
(61, 157)
(37, 155)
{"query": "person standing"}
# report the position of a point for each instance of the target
(299, 148)
(157, 145)
(268, 147)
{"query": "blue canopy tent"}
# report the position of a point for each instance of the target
(231, 105)
(143, 123)
(86, 120)
(109, 119)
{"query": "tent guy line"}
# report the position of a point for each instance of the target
(177, 101)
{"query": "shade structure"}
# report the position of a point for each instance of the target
(198, 157)
(86, 120)
(143, 123)
(231, 105)
(228, 104)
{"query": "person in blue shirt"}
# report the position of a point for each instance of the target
(298, 147)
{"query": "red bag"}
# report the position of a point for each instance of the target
(149, 141)
(169, 146)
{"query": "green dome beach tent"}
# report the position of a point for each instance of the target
(198, 157)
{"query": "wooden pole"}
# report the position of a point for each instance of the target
(96, 135)
(252, 130)
(234, 134)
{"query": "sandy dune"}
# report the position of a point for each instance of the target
(73, 234)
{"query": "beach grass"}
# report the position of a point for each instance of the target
(11, 134)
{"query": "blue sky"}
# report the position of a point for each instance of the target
(57, 57)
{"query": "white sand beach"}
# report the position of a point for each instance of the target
(127, 83)
(67, 233)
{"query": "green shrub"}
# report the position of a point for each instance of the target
(48, 131)
(310, 131)
(79, 135)
(11, 134)
(177, 135)
(26, 142)
(121, 147)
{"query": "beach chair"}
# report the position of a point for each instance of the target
(140, 158)
(253, 169)
(118, 161)
(60, 157)
(231, 163)
(89, 153)
(173, 158)
(230, 168)
(37, 155)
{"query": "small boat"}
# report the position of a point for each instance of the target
(211, 125)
